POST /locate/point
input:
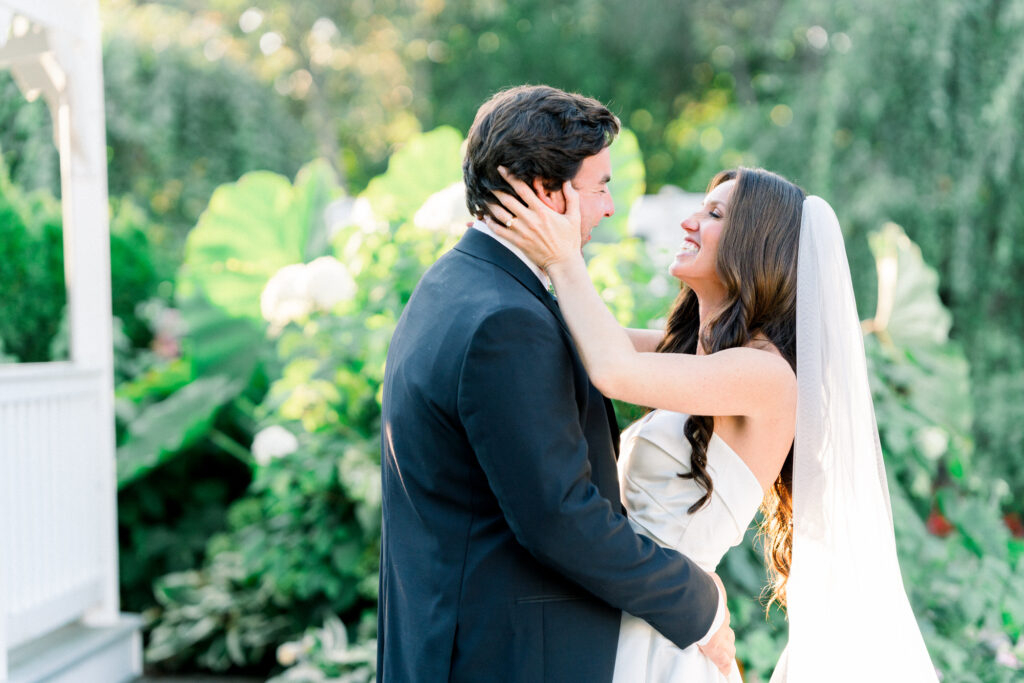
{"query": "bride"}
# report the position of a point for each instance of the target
(760, 396)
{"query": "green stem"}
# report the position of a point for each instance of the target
(230, 446)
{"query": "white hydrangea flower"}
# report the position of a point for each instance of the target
(347, 211)
(288, 653)
(273, 442)
(445, 211)
(365, 218)
(933, 441)
(328, 282)
(285, 297)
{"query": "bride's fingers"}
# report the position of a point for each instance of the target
(500, 214)
(513, 206)
(572, 202)
(506, 233)
(524, 191)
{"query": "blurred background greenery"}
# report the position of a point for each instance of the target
(247, 137)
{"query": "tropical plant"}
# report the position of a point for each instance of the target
(325, 655)
(303, 541)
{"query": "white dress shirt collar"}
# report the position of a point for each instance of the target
(541, 275)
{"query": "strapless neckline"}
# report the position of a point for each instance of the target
(715, 437)
(657, 501)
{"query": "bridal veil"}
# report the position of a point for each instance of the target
(849, 617)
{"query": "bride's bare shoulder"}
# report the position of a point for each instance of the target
(774, 373)
(762, 343)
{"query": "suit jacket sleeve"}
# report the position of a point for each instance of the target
(518, 404)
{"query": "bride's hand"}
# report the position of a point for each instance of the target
(721, 649)
(545, 236)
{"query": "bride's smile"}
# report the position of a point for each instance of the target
(688, 247)
(695, 263)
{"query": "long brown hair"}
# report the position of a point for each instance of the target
(756, 262)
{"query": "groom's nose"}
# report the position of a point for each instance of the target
(609, 207)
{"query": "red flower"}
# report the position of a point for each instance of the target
(1014, 524)
(938, 525)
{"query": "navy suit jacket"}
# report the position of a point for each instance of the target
(505, 554)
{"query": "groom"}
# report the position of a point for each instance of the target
(505, 555)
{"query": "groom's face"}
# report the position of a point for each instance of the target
(591, 182)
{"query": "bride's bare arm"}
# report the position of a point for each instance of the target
(738, 381)
(645, 340)
(741, 381)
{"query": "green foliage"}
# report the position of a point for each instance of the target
(627, 185)
(304, 540)
(201, 406)
(228, 610)
(635, 56)
(923, 404)
(165, 519)
(920, 378)
(250, 230)
(326, 655)
(179, 125)
(972, 633)
(165, 429)
(31, 272)
(424, 165)
(294, 549)
(902, 112)
(33, 320)
(896, 112)
(26, 139)
(140, 270)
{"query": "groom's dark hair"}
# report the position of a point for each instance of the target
(535, 131)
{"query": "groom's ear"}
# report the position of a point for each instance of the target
(553, 199)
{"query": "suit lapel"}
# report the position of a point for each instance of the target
(482, 246)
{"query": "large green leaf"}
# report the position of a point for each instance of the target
(920, 378)
(156, 383)
(428, 163)
(250, 230)
(629, 181)
(919, 326)
(220, 344)
(918, 317)
(166, 428)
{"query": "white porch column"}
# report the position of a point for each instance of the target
(61, 614)
(81, 130)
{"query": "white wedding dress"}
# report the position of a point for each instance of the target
(654, 451)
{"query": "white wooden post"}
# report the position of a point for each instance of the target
(59, 604)
(83, 157)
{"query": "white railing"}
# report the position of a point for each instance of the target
(58, 489)
(53, 498)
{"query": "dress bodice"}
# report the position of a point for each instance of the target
(654, 451)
